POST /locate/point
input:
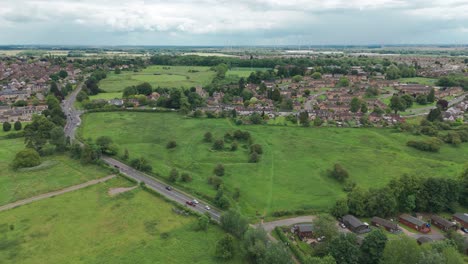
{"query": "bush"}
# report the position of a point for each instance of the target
(171, 144)
(339, 173)
(430, 145)
(215, 181)
(26, 158)
(219, 170)
(254, 157)
(173, 175)
(6, 126)
(234, 146)
(18, 125)
(218, 144)
(256, 148)
(208, 137)
(185, 177)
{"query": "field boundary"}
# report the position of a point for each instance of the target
(54, 193)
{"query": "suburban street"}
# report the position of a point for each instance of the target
(73, 121)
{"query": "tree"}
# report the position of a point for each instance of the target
(442, 104)
(234, 146)
(339, 173)
(90, 154)
(173, 175)
(126, 155)
(435, 115)
(203, 222)
(117, 71)
(431, 96)
(144, 88)
(318, 121)
(219, 170)
(171, 144)
(421, 99)
(381, 202)
(129, 91)
(325, 225)
(344, 249)
(185, 177)
(340, 209)
(218, 144)
(408, 100)
(6, 126)
(254, 244)
(81, 96)
(397, 104)
(304, 118)
(364, 108)
(141, 164)
(75, 151)
(63, 74)
(106, 145)
(392, 72)
(276, 253)
(403, 250)
(316, 75)
(372, 247)
(256, 148)
(357, 200)
(208, 137)
(355, 105)
(225, 248)
(233, 222)
(18, 125)
(256, 118)
(37, 133)
(57, 138)
(254, 157)
(343, 82)
(26, 158)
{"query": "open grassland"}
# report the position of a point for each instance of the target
(56, 172)
(243, 72)
(420, 80)
(292, 172)
(106, 96)
(159, 76)
(89, 226)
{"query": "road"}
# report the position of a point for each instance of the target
(54, 193)
(73, 121)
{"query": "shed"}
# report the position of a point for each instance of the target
(390, 226)
(462, 219)
(423, 240)
(443, 223)
(415, 223)
(355, 225)
(304, 230)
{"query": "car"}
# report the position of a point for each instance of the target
(342, 225)
(207, 207)
(195, 201)
(464, 229)
(169, 188)
(190, 203)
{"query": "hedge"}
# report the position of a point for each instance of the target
(297, 253)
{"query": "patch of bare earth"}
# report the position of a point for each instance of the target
(115, 191)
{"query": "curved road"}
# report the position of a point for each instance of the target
(73, 121)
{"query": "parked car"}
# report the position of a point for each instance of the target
(190, 203)
(195, 201)
(464, 230)
(169, 188)
(342, 225)
(207, 207)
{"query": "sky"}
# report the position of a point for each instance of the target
(231, 23)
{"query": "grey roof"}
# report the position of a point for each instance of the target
(412, 219)
(461, 216)
(384, 222)
(442, 221)
(305, 227)
(352, 221)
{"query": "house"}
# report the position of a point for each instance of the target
(443, 223)
(355, 225)
(424, 240)
(462, 219)
(303, 230)
(415, 223)
(390, 226)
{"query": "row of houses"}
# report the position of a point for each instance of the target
(13, 114)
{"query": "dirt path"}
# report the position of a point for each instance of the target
(54, 193)
(115, 191)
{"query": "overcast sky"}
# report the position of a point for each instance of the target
(241, 22)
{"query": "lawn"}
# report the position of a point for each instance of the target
(59, 171)
(292, 172)
(159, 76)
(89, 226)
(244, 72)
(106, 96)
(419, 80)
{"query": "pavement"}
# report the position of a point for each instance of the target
(55, 193)
(73, 121)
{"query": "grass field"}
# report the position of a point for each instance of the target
(89, 226)
(420, 80)
(292, 172)
(243, 72)
(174, 77)
(106, 96)
(60, 171)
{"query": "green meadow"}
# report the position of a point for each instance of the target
(159, 76)
(419, 80)
(90, 226)
(292, 173)
(55, 172)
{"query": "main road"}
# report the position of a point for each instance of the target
(174, 194)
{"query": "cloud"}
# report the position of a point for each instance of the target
(242, 21)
